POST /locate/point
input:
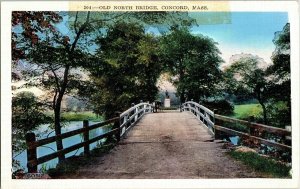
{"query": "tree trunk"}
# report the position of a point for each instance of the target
(181, 75)
(57, 107)
(182, 100)
(264, 112)
(57, 125)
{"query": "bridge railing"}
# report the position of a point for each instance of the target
(120, 124)
(131, 116)
(255, 133)
(204, 114)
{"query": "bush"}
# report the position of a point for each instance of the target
(223, 107)
(278, 114)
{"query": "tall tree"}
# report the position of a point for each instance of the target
(129, 68)
(56, 44)
(51, 55)
(279, 71)
(245, 76)
(280, 79)
(193, 61)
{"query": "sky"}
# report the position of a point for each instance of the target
(242, 32)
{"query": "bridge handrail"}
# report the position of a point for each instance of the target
(205, 115)
(131, 116)
(121, 125)
(212, 120)
(267, 128)
(254, 132)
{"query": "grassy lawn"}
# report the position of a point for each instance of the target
(247, 110)
(262, 164)
(78, 116)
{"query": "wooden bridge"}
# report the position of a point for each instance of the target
(169, 144)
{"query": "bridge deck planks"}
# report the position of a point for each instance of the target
(166, 145)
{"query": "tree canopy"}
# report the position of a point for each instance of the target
(54, 55)
(193, 61)
(127, 70)
(245, 76)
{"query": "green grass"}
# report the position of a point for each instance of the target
(262, 164)
(80, 116)
(247, 110)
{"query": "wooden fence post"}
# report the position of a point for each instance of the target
(31, 153)
(288, 139)
(217, 133)
(117, 124)
(86, 137)
(251, 130)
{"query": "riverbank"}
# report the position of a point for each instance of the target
(78, 116)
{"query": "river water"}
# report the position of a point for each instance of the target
(43, 132)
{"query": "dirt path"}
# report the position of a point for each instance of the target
(166, 145)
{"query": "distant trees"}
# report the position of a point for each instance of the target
(194, 61)
(270, 86)
(75, 104)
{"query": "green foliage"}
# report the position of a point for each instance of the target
(280, 83)
(262, 164)
(27, 114)
(279, 114)
(53, 57)
(221, 106)
(245, 77)
(271, 86)
(128, 70)
(193, 60)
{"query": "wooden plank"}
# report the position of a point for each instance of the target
(263, 141)
(269, 129)
(48, 157)
(42, 142)
(231, 120)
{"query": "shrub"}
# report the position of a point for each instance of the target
(223, 107)
(278, 114)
